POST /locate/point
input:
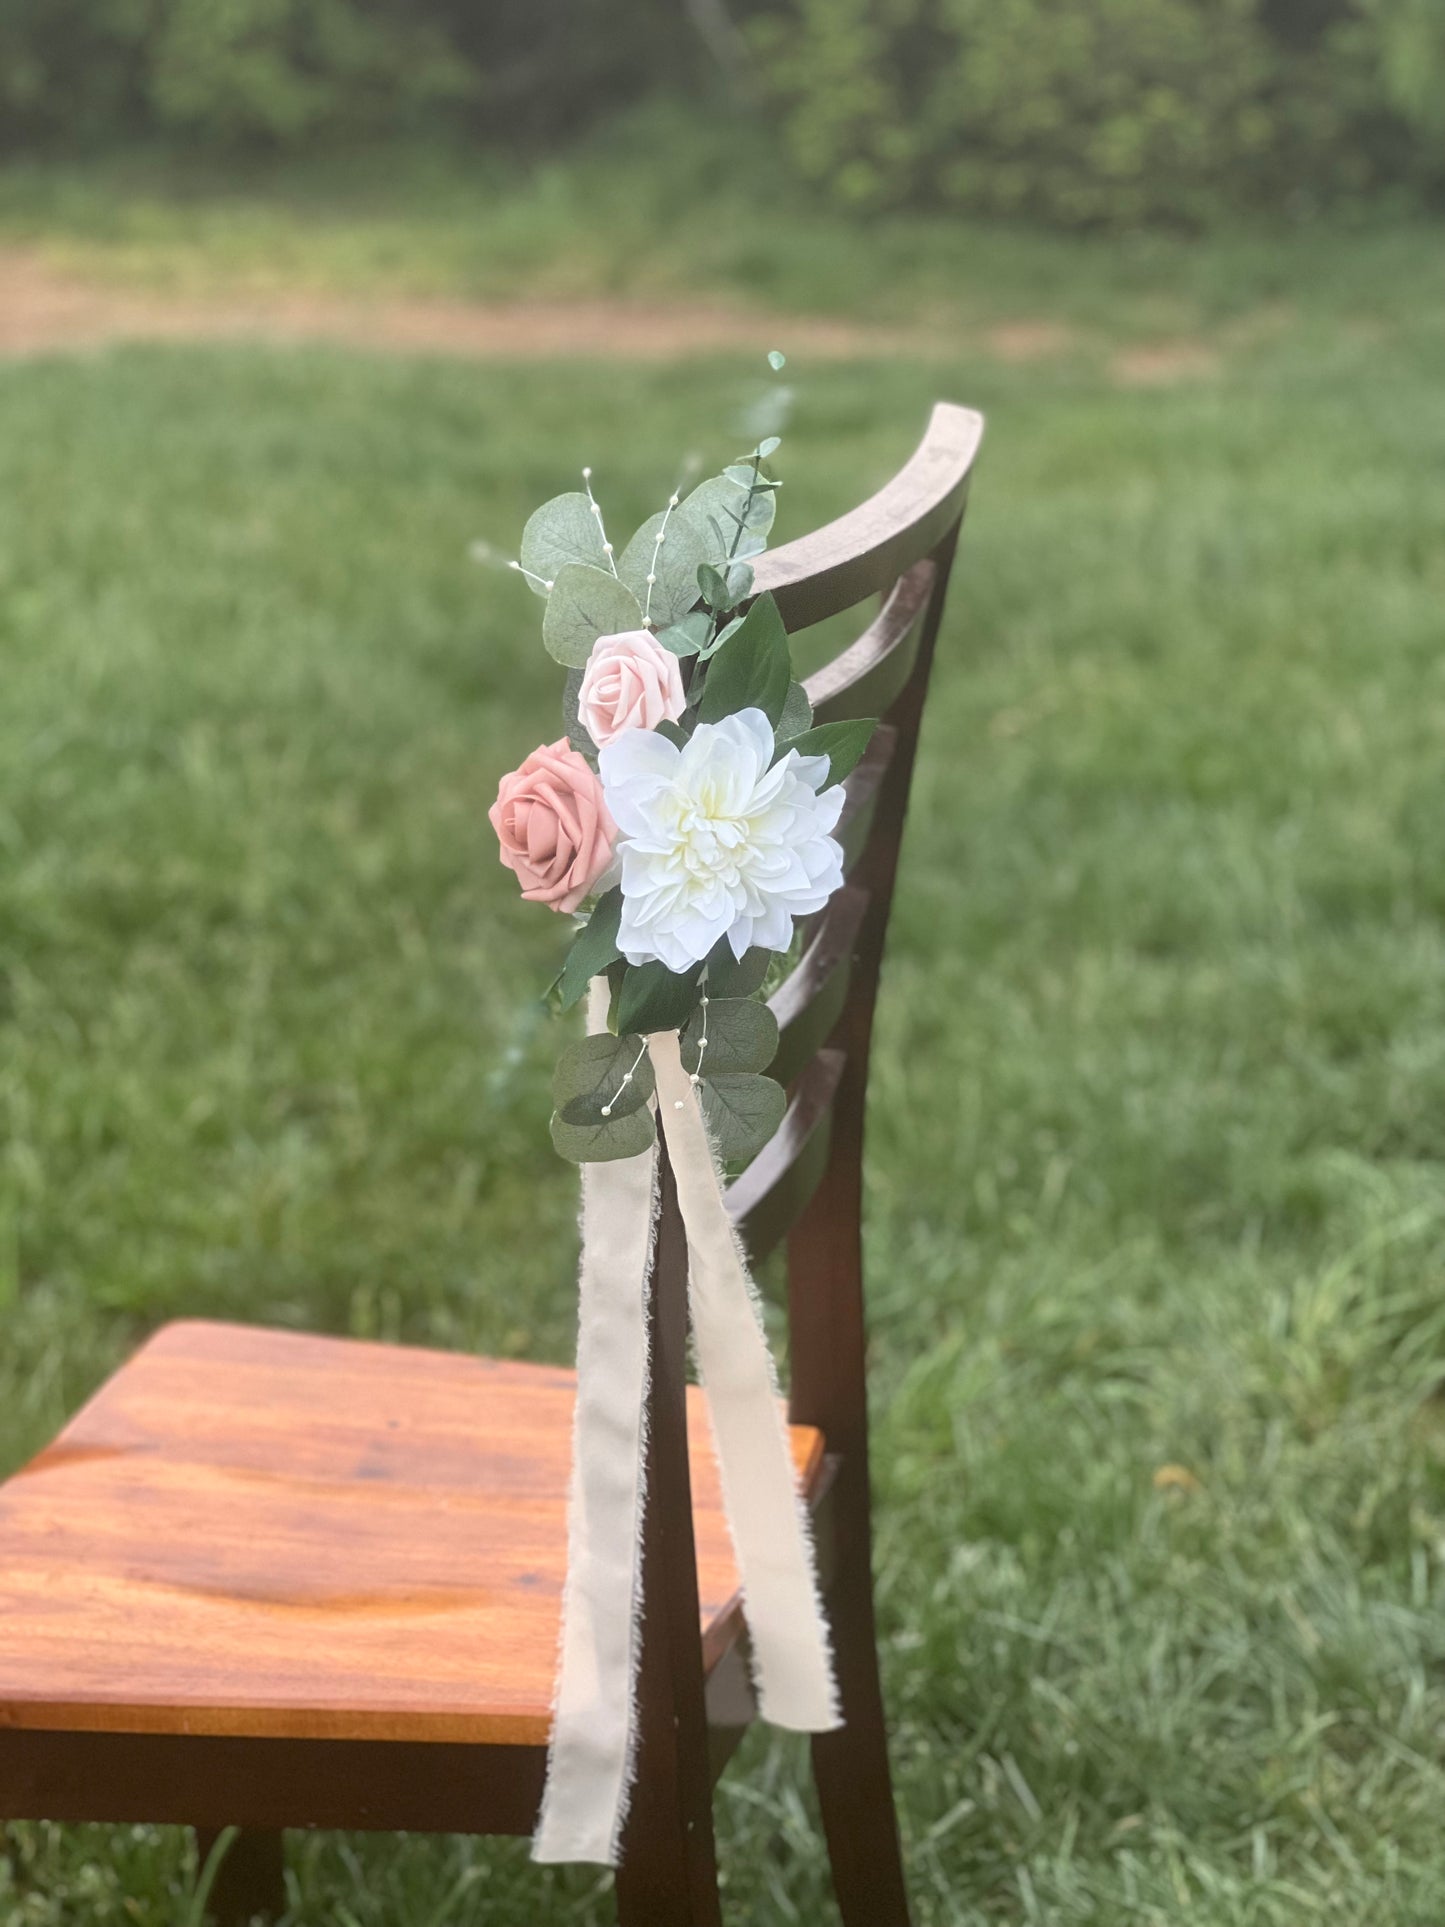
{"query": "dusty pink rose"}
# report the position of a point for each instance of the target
(630, 682)
(554, 826)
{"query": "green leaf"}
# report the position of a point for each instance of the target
(561, 531)
(747, 477)
(729, 976)
(767, 446)
(714, 588)
(576, 735)
(740, 582)
(724, 589)
(718, 509)
(613, 1137)
(842, 743)
(675, 565)
(753, 670)
(593, 949)
(688, 635)
(797, 713)
(672, 731)
(740, 1036)
(602, 1070)
(728, 630)
(653, 997)
(742, 1112)
(586, 603)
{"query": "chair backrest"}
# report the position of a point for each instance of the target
(807, 1183)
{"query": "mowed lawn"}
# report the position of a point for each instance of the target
(1157, 1155)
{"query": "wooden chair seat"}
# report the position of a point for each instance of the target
(256, 1533)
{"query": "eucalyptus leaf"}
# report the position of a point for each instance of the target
(673, 732)
(713, 588)
(561, 531)
(730, 976)
(586, 603)
(721, 510)
(767, 446)
(842, 743)
(613, 1137)
(675, 564)
(576, 735)
(729, 1034)
(797, 713)
(602, 1072)
(746, 476)
(688, 635)
(653, 997)
(740, 582)
(742, 1112)
(753, 670)
(593, 949)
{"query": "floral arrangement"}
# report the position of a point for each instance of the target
(685, 822)
(685, 818)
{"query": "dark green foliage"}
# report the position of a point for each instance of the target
(289, 72)
(842, 743)
(752, 669)
(602, 1076)
(593, 949)
(1119, 111)
(730, 1034)
(742, 1111)
(652, 997)
(729, 976)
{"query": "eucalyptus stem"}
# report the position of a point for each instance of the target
(747, 506)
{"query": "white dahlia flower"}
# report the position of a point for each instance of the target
(716, 843)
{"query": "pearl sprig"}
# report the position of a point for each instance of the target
(597, 512)
(672, 502)
(695, 1077)
(627, 1079)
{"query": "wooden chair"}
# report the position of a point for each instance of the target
(274, 1581)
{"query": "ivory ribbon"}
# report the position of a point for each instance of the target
(592, 1752)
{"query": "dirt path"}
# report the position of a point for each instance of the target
(43, 309)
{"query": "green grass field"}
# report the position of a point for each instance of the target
(1158, 1137)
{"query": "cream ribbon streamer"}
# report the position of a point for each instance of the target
(592, 1752)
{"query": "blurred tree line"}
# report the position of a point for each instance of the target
(1073, 111)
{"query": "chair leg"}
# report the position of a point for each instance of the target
(250, 1882)
(850, 1765)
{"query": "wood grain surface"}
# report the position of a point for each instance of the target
(260, 1533)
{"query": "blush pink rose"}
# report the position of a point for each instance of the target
(630, 682)
(554, 826)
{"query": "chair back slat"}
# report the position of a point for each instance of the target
(864, 552)
(809, 1001)
(883, 673)
(867, 678)
(766, 1200)
(862, 790)
(899, 546)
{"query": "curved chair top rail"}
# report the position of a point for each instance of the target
(865, 551)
